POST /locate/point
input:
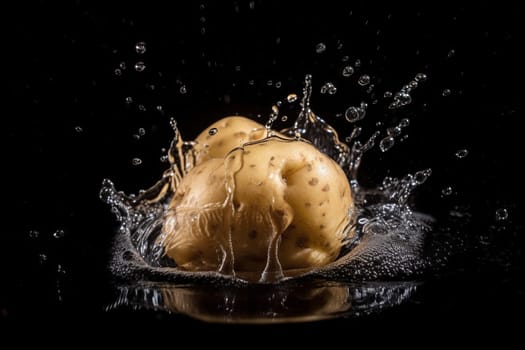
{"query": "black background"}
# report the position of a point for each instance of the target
(61, 61)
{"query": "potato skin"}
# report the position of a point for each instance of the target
(273, 187)
(228, 133)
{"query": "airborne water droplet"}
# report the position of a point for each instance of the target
(354, 114)
(447, 191)
(446, 92)
(140, 47)
(328, 88)
(140, 66)
(142, 131)
(78, 129)
(136, 161)
(320, 48)
(34, 234)
(129, 99)
(462, 153)
(386, 143)
(183, 89)
(59, 234)
(421, 77)
(291, 98)
(118, 72)
(348, 71)
(364, 80)
(501, 214)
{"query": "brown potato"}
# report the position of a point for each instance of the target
(273, 198)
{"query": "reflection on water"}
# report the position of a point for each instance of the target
(258, 303)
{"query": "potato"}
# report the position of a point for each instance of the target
(270, 204)
(226, 134)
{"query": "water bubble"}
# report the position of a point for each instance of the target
(364, 80)
(328, 88)
(140, 47)
(118, 72)
(421, 77)
(136, 161)
(421, 176)
(59, 234)
(348, 71)
(387, 94)
(140, 66)
(447, 191)
(34, 233)
(501, 214)
(446, 92)
(78, 129)
(213, 131)
(395, 131)
(183, 89)
(291, 98)
(386, 143)
(354, 114)
(129, 99)
(462, 153)
(320, 48)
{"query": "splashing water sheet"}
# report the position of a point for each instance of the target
(414, 109)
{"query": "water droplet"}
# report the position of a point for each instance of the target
(78, 129)
(357, 63)
(501, 214)
(421, 77)
(395, 131)
(328, 88)
(42, 258)
(364, 80)
(320, 48)
(348, 71)
(421, 176)
(136, 161)
(412, 85)
(354, 114)
(142, 131)
(164, 159)
(159, 108)
(122, 65)
(141, 108)
(269, 82)
(140, 66)
(183, 89)
(284, 118)
(404, 122)
(446, 92)
(401, 99)
(291, 98)
(278, 84)
(60, 269)
(140, 47)
(34, 233)
(386, 143)
(451, 53)
(387, 94)
(59, 234)
(447, 191)
(345, 58)
(129, 99)
(213, 131)
(118, 72)
(462, 153)
(252, 5)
